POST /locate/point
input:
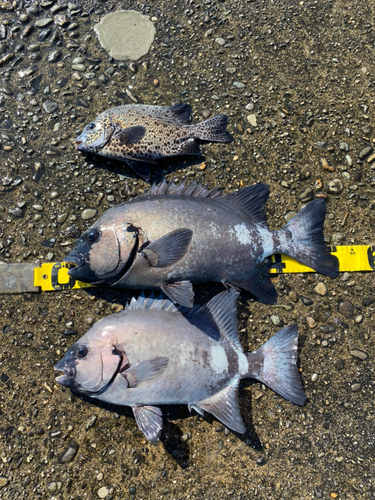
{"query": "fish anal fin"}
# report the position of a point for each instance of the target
(168, 249)
(259, 284)
(189, 147)
(224, 406)
(145, 370)
(140, 168)
(130, 135)
(150, 421)
(180, 292)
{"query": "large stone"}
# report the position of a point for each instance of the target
(126, 34)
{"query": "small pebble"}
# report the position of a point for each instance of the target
(42, 23)
(359, 354)
(314, 377)
(89, 213)
(306, 195)
(356, 387)
(276, 320)
(311, 323)
(321, 289)
(69, 454)
(103, 492)
(220, 41)
(238, 85)
(91, 422)
(346, 308)
(365, 152)
(252, 119)
(334, 187)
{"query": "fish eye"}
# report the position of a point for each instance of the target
(92, 235)
(91, 126)
(82, 351)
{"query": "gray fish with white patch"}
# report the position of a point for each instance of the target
(139, 134)
(176, 235)
(154, 353)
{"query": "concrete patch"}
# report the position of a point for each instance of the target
(126, 34)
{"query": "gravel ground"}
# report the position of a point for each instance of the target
(297, 82)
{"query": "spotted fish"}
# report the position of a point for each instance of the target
(140, 134)
(176, 235)
(154, 353)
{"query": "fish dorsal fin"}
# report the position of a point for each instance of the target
(192, 189)
(252, 200)
(156, 303)
(222, 310)
(181, 112)
(224, 406)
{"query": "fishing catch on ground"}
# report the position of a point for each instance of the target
(154, 353)
(176, 235)
(139, 134)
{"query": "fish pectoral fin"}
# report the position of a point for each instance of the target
(181, 293)
(140, 168)
(130, 135)
(168, 249)
(259, 284)
(224, 406)
(145, 370)
(150, 421)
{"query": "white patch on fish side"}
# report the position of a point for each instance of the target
(243, 364)
(187, 354)
(243, 234)
(218, 359)
(267, 241)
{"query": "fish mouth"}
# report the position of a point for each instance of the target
(81, 146)
(81, 270)
(67, 379)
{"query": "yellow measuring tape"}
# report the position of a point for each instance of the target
(54, 275)
(351, 258)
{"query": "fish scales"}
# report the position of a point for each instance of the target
(177, 235)
(155, 353)
(141, 134)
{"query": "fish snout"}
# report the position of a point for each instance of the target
(67, 379)
(76, 259)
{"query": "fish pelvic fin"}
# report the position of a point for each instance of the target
(150, 421)
(302, 239)
(224, 406)
(275, 365)
(213, 130)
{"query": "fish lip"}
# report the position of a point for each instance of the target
(81, 146)
(67, 379)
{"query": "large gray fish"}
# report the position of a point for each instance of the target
(176, 235)
(154, 353)
(140, 135)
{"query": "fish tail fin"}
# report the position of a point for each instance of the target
(304, 234)
(275, 365)
(213, 130)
